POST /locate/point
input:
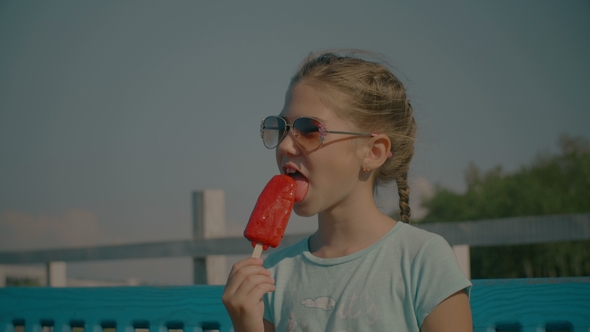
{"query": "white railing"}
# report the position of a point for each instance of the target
(209, 246)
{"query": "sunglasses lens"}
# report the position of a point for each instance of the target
(307, 133)
(273, 129)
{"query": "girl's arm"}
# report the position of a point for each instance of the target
(451, 315)
(248, 281)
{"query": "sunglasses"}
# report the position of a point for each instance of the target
(309, 133)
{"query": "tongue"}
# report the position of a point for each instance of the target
(301, 186)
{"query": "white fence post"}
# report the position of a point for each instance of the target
(462, 253)
(2, 276)
(56, 274)
(208, 223)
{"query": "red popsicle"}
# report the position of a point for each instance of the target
(271, 213)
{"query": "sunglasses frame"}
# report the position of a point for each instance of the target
(321, 129)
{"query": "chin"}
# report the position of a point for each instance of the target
(302, 210)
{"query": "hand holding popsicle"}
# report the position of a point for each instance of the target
(248, 280)
(271, 213)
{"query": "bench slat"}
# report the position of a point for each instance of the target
(527, 305)
(154, 308)
(532, 304)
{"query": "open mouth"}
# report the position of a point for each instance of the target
(291, 171)
(302, 183)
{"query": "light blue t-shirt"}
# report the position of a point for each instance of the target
(390, 286)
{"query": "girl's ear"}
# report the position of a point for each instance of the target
(379, 151)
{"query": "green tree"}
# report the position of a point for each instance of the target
(552, 184)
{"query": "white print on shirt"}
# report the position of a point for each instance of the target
(292, 325)
(323, 302)
(349, 308)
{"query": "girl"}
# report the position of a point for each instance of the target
(346, 127)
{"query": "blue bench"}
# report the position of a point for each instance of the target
(558, 304)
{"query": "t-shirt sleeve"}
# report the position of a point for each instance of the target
(437, 276)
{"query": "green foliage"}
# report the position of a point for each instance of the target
(10, 281)
(552, 184)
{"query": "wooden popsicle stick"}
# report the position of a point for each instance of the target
(257, 250)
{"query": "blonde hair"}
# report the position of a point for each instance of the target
(369, 95)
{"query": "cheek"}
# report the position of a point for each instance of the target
(278, 159)
(343, 162)
(332, 172)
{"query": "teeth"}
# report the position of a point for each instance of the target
(290, 171)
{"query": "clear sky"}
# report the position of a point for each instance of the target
(112, 113)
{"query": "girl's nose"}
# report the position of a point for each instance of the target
(288, 146)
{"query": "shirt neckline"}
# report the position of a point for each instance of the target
(344, 259)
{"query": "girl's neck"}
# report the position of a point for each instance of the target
(349, 228)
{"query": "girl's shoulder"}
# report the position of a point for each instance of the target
(414, 231)
(415, 239)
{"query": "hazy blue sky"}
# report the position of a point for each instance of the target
(112, 113)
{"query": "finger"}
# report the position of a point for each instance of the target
(249, 292)
(240, 265)
(241, 274)
(245, 262)
(247, 270)
(261, 289)
(245, 285)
